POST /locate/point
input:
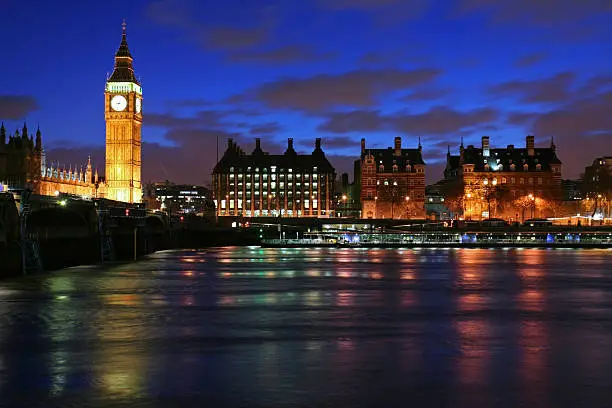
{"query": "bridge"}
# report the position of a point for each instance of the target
(48, 232)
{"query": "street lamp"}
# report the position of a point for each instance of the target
(532, 198)
(469, 205)
(488, 192)
(407, 199)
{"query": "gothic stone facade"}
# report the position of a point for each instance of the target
(513, 183)
(262, 184)
(391, 182)
(23, 165)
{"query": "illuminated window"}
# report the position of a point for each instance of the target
(539, 181)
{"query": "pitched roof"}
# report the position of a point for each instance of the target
(387, 158)
(235, 157)
(123, 71)
(506, 157)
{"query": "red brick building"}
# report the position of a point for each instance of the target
(391, 182)
(510, 182)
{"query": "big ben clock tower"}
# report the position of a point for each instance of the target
(123, 114)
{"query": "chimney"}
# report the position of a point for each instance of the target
(362, 145)
(398, 146)
(257, 143)
(318, 143)
(290, 143)
(230, 143)
(530, 146)
(510, 147)
(486, 152)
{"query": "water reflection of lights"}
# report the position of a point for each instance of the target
(345, 298)
(531, 300)
(474, 354)
(313, 298)
(188, 273)
(407, 275)
(376, 275)
(472, 302)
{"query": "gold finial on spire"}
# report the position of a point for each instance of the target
(123, 26)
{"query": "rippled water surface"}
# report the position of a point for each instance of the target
(314, 328)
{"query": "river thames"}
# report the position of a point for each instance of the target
(327, 327)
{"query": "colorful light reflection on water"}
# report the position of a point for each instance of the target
(322, 327)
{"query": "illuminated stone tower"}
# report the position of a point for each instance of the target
(123, 114)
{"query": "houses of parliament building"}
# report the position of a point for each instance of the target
(23, 163)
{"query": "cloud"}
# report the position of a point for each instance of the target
(322, 92)
(269, 128)
(549, 13)
(582, 129)
(356, 4)
(284, 54)
(530, 60)
(15, 107)
(426, 94)
(208, 118)
(385, 11)
(554, 89)
(199, 22)
(235, 38)
(436, 121)
(190, 103)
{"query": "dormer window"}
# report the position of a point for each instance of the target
(512, 167)
(381, 168)
(525, 167)
(486, 167)
(500, 167)
(408, 168)
(538, 167)
(395, 168)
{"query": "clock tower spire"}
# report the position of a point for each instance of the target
(123, 115)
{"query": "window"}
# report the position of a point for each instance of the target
(539, 181)
(503, 180)
(538, 167)
(521, 181)
(525, 167)
(530, 180)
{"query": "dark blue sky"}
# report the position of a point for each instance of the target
(336, 69)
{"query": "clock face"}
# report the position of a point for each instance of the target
(138, 105)
(118, 103)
